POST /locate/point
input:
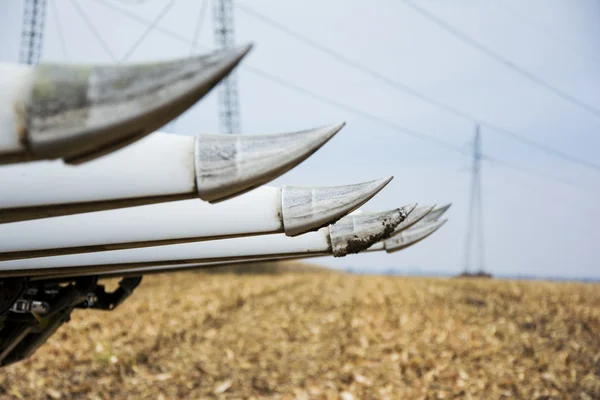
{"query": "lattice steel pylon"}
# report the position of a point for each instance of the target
(224, 32)
(475, 221)
(32, 31)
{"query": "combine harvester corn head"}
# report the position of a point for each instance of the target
(80, 112)
(74, 210)
(160, 168)
(265, 210)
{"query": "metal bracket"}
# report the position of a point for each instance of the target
(100, 299)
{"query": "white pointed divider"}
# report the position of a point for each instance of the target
(412, 236)
(436, 214)
(415, 216)
(317, 208)
(266, 210)
(159, 168)
(346, 238)
(80, 112)
(227, 165)
(353, 234)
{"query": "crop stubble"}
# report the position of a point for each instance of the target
(325, 335)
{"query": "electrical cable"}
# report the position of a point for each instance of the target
(94, 31)
(406, 89)
(149, 29)
(361, 113)
(454, 31)
(61, 37)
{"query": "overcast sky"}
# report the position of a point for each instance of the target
(533, 226)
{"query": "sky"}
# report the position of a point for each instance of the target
(532, 225)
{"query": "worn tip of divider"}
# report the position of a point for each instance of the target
(412, 236)
(415, 216)
(307, 209)
(355, 233)
(82, 112)
(407, 210)
(436, 213)
(229, 165)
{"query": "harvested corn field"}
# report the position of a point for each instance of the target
(325, 336)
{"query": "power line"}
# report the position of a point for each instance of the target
(199, 23)
(133, 16)
(58, 25)
(94, 31)
(170, 127)
(361, 113)
(546, 31)
(150, 27)
(501, 59)
(406, 89)
(411, 132)
(297, 88)
(557, 197)
(132, 2)
(533, 172)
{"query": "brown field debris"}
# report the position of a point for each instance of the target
(325, 336)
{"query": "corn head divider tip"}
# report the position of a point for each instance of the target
(79, 112)
(414, 217)
(315, 208)
(412, 236)
(227, 165)
(436, 213)
(357, 233)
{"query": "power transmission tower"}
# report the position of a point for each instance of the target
(32, 31)
(228, 94)
(475, 221)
